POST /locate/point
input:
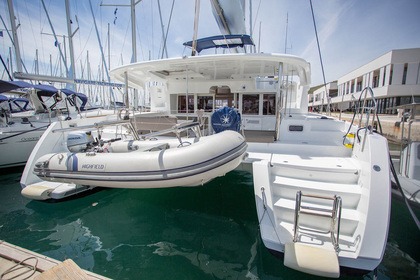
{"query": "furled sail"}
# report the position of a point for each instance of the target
(230, 16)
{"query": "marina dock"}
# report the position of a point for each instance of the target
(19, 263)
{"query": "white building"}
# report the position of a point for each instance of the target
(394, 78)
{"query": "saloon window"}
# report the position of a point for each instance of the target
(182, 104)
(250, 104)
(269, 104)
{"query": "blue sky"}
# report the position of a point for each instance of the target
(351, 32)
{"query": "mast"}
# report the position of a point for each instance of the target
(36, 62)
(164, 50)
(285, 41)
(196, 18)
(71, 71)
(132, 5)
(133, 30)
(109, 49)
(15, 36)
(102, 53)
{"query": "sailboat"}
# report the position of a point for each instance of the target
(20, 130)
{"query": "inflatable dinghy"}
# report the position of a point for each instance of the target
(145, 164)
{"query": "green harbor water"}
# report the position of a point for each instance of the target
(208, 232)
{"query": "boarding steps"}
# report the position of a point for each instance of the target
(314, 202)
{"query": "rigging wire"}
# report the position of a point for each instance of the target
(256, 16)
(320, 58)
(31, 25)
(167, 29)
(125, 37)
(153, 31)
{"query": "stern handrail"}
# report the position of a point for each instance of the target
(368, 110)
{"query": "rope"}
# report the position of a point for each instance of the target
(265, 211)
(17, 267)
(394, 173)
(320, 59)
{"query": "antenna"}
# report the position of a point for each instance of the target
(287, 29)
(287, 25)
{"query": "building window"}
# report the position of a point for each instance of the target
(384, 75)
(390, 74)
(359, 84)
(375, 80)
(404, 78)
(333, 93)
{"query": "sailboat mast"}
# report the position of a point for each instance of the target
(133, 30)
(196, 18)
(71, 71)
(15, 36)
(287, 26)
(102, 54)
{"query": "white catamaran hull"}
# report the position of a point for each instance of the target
(330, 176)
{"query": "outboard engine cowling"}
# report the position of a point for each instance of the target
(79, 141)
(226, 118)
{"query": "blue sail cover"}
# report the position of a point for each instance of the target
(221, 41)
(226, 118)
(3, 98)
(46, 89)
(11, 85)
(16, 104)
(83, 98)
(19, 104)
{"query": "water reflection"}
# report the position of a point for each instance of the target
(181, 233)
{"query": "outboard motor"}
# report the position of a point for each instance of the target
(79, 141)
(226, 118)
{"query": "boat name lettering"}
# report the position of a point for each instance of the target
(28, 139)
(93, 166)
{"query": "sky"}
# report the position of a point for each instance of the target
(351, 32)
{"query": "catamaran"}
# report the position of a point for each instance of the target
(322, 185)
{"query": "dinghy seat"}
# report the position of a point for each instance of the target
(312, 260)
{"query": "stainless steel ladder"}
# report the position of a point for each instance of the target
(333, 212)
